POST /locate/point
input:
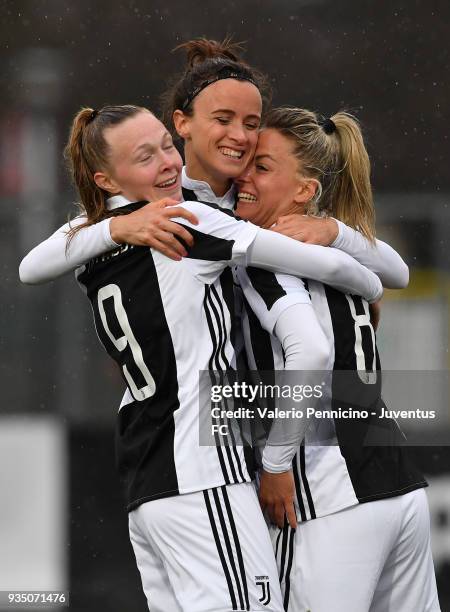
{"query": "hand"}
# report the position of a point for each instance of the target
(151, 226)
(375, 314)
(311, 230)
(276, 496)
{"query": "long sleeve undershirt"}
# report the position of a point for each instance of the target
(52, 258)
(268, 250)
(306, 349)
(379, 257)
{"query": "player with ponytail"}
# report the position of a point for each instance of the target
(349, 491)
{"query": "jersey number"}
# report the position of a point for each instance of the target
(367, 377)
(128, 339)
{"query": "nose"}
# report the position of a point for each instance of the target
(245, 176)
(237, 132)
(165, 159)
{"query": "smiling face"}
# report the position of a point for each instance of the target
(143, 161)
(272, 185)
(220, 137)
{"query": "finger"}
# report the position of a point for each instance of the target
(178, 211)
(165, 250)
(171, 242)
(278, 514)
(178, 230)
(270, 512)
(164, 202)
(291, 514)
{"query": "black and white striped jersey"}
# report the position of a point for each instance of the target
(364, 459)
(163, 322)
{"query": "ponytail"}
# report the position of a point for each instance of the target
(87, 152)
(201, 49)
(352, 198)
(332, 151)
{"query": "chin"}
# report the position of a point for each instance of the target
(232, 169)
(244, 211)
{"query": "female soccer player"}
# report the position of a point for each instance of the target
(368, 548)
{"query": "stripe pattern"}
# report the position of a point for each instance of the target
(219, 367)
(284, 554)
(228, 546)
(302, 489)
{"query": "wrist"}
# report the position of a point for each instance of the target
(333, 227)
(115, 229)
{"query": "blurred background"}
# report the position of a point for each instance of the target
(62, 517)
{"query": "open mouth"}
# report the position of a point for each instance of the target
(231, 153)
(168, 183)
(244, 196)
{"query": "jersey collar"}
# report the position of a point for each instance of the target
(116, 201)
(205, 194)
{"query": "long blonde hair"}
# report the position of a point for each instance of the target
(333, 152)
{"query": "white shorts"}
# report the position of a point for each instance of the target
(208, 551)
(373, 557)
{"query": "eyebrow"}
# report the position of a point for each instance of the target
(146, 146)
(260, 157)
(231, 112)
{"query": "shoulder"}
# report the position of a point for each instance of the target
(206, 209)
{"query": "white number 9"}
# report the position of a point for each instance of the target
(127, 339)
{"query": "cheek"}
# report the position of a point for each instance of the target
(253, 139)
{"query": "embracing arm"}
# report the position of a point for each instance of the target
(51, 258)
(150, 226)
(307, 355)
(331, 266)
(378, 257)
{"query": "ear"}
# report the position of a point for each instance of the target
(182, 124)
(306, 190)
(105, 182)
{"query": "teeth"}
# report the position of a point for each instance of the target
(248, 197)
(232, 153)
(168, 183)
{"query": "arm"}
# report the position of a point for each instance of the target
(306, 349)
(223, 239)
(49, 259)
(379, 257)
(277, 253)
(149, 226)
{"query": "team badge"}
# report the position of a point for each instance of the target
(263, 582)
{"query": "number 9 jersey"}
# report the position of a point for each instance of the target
(163, 322)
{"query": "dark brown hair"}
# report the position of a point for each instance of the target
(87, 152)
(205, 59)
(333, 152)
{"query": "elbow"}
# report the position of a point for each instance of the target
(403, 277)
(399, 280)
(322, 357)
(27, 275)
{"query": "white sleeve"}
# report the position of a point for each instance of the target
(51, 258)
(269, 294)
(333, 267)
(223, 239)
(379, 257)
(307, 350)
